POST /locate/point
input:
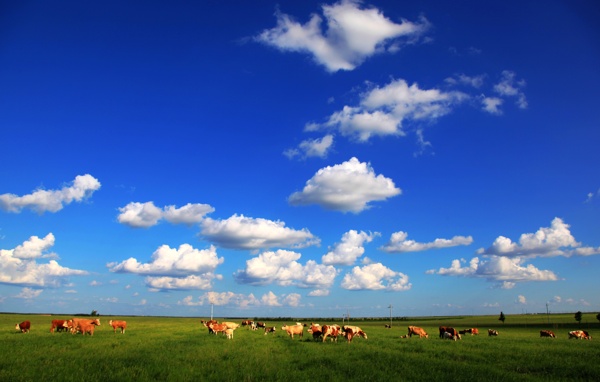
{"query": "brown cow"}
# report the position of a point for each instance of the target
(23, 327)
(59, 325)
(580, 335)
(356, 331)
(547, 333)
(270, 330)
(492, 332)
(118, 325)
(85, 327)
(448, 329)
(216, 328)
(208, 323)
(74, 323)
(333, 331)
(261, 325)
(417, 331)
(316, 330)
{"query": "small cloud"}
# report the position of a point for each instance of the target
(29, 293)
(521, 299)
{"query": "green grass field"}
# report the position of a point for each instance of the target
(180, 349)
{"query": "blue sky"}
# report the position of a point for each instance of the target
(307, 159)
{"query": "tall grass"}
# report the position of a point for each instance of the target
(180, 349)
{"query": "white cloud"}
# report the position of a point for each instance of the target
(167, 261)
(270, 299)
(292, 299)
(463, 79)
(319, 293)
(351, 35)
(183, 268)
(383, 110)
(521, 299)
(240, 232)
(552, 241)
(281, 267)
(349, 249)
(509, 86)
(144, 215)
(492, 105)
(399, 244)
(51, 200)
(375, 277)
(18, 266)
(311, 148)
(346, 187)
(28, 293)
(502, 270)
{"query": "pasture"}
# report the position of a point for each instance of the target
(180, 349)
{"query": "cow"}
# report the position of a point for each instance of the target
(293, 329)
(261, 325)
(332, 331)
(316, 330)
(229, 333)
(270, 330)
(118, 325)
(474, 331)
(463, 332)
(580, 335)
(23, 327)
(448, 329)
(74, 323)
(231, 325)
(246, 322)
(388, 326)
(216, 328)
(450, 336)
(208, 323)
(417, 332)
(492, 332)
(547, 333)
(59, 325)
(356, 331)
(253, 325)
(86, 327)
(349, 333)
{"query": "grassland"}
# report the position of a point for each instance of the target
(180, 349)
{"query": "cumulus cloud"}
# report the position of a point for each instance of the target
(346, 187)
(170, 268)
(240, 232)
(492, 105)
(51, 200)
(29, 293)
(351, 35)
(145, 215)
(375, 276)
(522, 299)
(499, 269)
(552, 241)
(281, 267)
(509, 86)
(19, 266)
(311, 148)
(241, 300)
(399, 244)
(349, 249)
(382, 111)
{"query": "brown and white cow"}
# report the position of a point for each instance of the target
(208, 323)
(448, 329)
(75, 323)
(293, 329)
(270, 330)
(450, 336)
(231, 325)
(547, 333)
(332, 331)
(580, 335)
(118, 325)
(261, 325)
(316, 330)
(59, 325)
(246, 322)
(356, 331)
(417, 332)
(492, 332)
(217, 328)
(23, 327)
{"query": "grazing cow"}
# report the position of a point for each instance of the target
(474, 331)
(246, 322)
(348, 334)
(492, 332)
(332, 331)
(356, 331)
(59, 325)
(23, 327)
(547, 333)
(253, 325)
(450, 336)
(580, 335)
(417, 332)
(118, 325)
(216, 328)
(231, 325)
(74, 323)
(293, 329)
(229, 333)
(448, 329)
(463, 332)
(208, 323)
(270, 330)
(85, 327)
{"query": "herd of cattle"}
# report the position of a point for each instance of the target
(75, 325)
(318, 332)
(348, 332)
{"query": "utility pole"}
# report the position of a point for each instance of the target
(211, 310)
(390, 314)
